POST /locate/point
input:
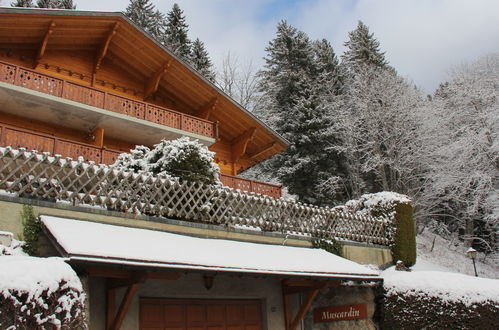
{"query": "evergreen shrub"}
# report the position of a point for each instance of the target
(18, 310)
(420, 311)
(396, 207)
(404, 246)
(32, 228)
(182, 158)
(330, 245)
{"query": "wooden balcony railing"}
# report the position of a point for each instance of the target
(69, 90)
(251, 185)
(20, 138)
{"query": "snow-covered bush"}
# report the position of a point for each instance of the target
(396, 207)
(40, 293)
(439, 300)
(182, 158)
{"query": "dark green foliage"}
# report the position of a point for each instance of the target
(200, 60)
(362, 50)
(297, 83)
(57, 4)
(18, 310)
(144, 14)
(32, 228)
(404, 247)
(330, 245)
(176, 33)
(419, 311)
(23, 3)
(181, 158)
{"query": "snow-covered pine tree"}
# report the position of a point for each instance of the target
(362, 50)
(143, 13)
(327, 66)
(200, 60)
(23, 3)
(292, 87)
(175, 36)
(57, 4)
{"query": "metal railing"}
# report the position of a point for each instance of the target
(70, 90)
(42, 176)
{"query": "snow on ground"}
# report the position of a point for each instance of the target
(450, 256)
(15, 249)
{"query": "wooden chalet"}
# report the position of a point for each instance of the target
(92, 84)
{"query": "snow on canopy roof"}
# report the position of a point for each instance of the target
(97, 242)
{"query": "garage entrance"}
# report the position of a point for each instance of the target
(176, 314)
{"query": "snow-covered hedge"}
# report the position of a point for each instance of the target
(182, 158)
(439, 300)
(40, 293)
(398, 208)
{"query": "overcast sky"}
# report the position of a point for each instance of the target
(421, 38)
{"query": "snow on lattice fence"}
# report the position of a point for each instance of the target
(43, 176)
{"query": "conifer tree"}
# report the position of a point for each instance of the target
(23, 3)
(176, 33)
(54, 4)
(200, 60)
(362, 50)
(292, 89)
(143, 13)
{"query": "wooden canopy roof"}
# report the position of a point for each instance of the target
(113, 40)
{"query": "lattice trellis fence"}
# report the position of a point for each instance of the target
(43, 176)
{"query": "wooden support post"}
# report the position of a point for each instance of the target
(98, 134)
(263, 150)
(103, 50)
(304, 309)
(206, 110)
(43, 45)
(240, 144)
(153, 84)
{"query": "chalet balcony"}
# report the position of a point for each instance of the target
(38, 96)
(21, 138)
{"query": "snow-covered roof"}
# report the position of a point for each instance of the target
(96, 242)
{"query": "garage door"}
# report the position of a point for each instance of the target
(174, 314)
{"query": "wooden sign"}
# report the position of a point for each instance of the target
(340, 313)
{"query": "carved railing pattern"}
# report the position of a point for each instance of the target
(42, 176)
(19, 138)
(244, 184)
(69, 90)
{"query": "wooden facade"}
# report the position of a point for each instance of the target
(103, 61)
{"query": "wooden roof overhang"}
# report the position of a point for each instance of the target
(116, 41)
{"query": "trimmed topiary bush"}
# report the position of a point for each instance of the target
(396, 207)
(438, 300)
(40, 293)
(404, 246)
